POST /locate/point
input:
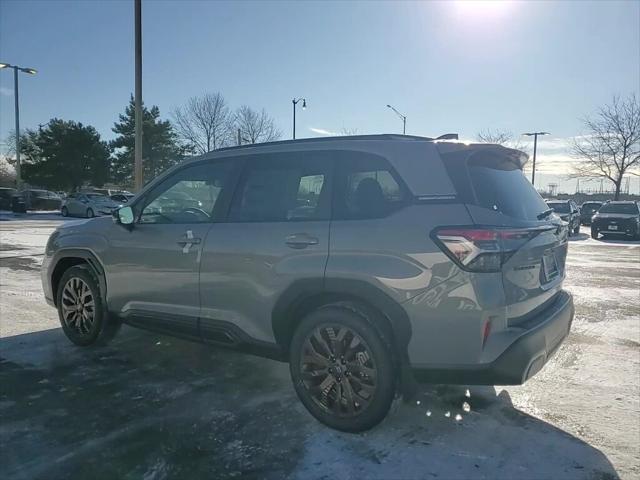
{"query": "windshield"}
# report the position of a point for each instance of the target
(507, 191)
(559, 207)
(625, 208)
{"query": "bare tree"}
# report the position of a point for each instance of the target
(255, 127)
(344, 131)
(203, 123)
(505, 138)
(610, 149)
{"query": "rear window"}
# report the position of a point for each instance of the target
(626, 208)
(506, 190)
(590, 207)
(560, 207)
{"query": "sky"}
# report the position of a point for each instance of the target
(452, 66)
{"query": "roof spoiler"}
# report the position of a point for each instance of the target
(448, 136)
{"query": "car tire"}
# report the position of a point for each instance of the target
(64, 212)
(594, 233)
(90, 213)
(360, 385)
(81, 308)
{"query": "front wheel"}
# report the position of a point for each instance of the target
(90, 213)
(80, 308)
(342, 368)
(64, 212)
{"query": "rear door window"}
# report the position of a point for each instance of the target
(367, 187)
(283, 187)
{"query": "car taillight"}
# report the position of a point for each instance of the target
(482, 249)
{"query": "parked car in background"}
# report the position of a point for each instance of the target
(108, 192)
(87, 205)
(36, 199)
(620, 218)
(176, 201)
(121, 197)
(365, 262)
(588, 210)
(568, 211)
(5, 197)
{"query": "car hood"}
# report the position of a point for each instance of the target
(611, 216)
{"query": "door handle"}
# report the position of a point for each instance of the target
(188, 241)
(193, 241)
(300, 240)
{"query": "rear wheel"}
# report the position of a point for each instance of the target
(81, 308)
(342, 368)
(90, 213)
(64, 211)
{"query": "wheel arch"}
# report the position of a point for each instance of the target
(304, 296)
(65, 259)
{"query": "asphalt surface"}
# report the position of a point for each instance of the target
(153, 407)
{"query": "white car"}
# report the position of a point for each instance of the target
(87, 205)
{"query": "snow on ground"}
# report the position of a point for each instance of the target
(155, 407)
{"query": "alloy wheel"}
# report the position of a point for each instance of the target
(78, 306)
(338, 371)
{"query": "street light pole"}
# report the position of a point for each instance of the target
(402, 117)
(304, 106)
(138, 170)
(17, 110)
(535, 148)
(30, 71)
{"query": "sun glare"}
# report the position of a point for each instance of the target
(483, 8)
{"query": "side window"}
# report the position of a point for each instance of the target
(188, 196)
(367, 188)
(283, 187)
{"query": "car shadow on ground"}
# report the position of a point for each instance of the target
(153, 407)
(47, 215)
(603, 238)
(578, 237)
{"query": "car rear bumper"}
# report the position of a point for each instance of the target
(521, 360)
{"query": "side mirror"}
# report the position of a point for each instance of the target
(123, 216)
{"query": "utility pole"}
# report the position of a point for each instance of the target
(535, 148)
(138, 170)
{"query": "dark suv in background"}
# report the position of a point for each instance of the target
(568, 211)
(620, 219)
(365, 262)
(588, 210)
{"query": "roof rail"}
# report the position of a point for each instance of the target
(383, 136)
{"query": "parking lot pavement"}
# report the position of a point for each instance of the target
(153, 407)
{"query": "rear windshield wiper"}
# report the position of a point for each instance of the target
(545, 214)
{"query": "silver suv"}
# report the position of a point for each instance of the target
(365, 262)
